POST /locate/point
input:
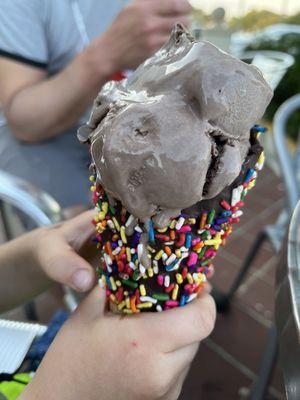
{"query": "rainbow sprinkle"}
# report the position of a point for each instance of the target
(170, 270)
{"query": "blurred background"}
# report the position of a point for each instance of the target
(240, 359)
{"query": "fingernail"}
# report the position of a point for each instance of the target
(82, 279)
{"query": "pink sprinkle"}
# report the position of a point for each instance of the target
(200, 269)
(160, 280)
(212, 232)
(123, 257)
(195, 241)
(108, 292)
(210, 253)
(185, 228)
(192, 259)
(172, 303)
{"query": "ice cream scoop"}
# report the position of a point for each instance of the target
(177, 130)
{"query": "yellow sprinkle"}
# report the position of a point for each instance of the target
(212, 242)
(126, 311)
(92, 178)
(93, 188)
(150, 272)
(126, 293)
(192, 221)
(151, 249)
(147, 304)
(142, 290)
(96, 218)
(127, 302)
(121, 305)
(251, 184)
(113, 283)
(175, 292)
(136, 263)
(101, 215)
(178, 253)
(162, 230)
(172, 224)
(159, 255)
(261, 159)
(123, 235)
(113, 298)
(179, 278)
(116, 224)
(105, 206)
(190, 279)
(118, 283)
(128, 254)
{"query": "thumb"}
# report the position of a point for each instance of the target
(62, 264)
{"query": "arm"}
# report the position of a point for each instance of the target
(38, 107)
(29, 264)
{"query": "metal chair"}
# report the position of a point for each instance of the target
(21, 202)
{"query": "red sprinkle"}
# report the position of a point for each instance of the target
(225, 205)
(181, 240)
(170, 288)
(184, 272)
(165, 238)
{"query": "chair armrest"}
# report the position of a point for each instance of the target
(33, 202)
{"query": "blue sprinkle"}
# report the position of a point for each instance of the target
(188, 240)
(151, 231)
(114, 245)
(216, 228)
(134, 257)
(182, 301)
(226, 213)
(171, 266)
(259, 128)
(108, 282)
(221, 221)
(249, 175)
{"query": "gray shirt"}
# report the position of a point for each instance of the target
(48, 34)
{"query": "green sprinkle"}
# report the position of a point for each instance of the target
(99, 203)
(211, 217)
(112, 209)
(100, 272)
(130, 283)
(205, 262)
(161, 296)
(136, 275)
(202, 252)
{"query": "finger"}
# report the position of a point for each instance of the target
(79, 229)
(94, 305)
(63, 265)
(171, 7)
(181, 326)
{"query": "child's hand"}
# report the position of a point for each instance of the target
(102, 356)
(58, 251)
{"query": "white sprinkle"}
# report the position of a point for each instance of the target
(167, 281)
(199, 231)
(148, 298)
(236, 195)
(111, 225)
(142, 269)
(132, 265)
(183, 249)
(101, 283)
(107, 259)
(155, 266)
(184, 255)
(179, 223)
(116, 251)
(120, 243)
(169, 243)
(191, 297)
(158, 308)
(129, 221)
(237, 214)
(164, 257)
(138, 229)
(132, 251)
(140, 251)
(171, 259)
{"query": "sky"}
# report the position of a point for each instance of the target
(240, 7)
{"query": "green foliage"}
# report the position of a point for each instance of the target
(254, 20)
(290, 85)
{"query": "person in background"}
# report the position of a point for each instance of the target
(99, 355)
(54, 58)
